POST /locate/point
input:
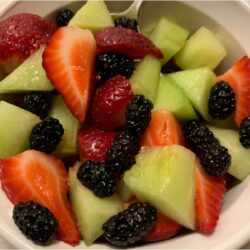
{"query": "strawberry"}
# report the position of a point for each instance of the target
(125, 41)
(163, 129)
(238, 77)
(165, 228)
(110, 103)
(68, 61)
(42, 178)
(94, 143)
(20, 36)
(210, 192)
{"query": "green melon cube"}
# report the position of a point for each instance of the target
(171, 97)
(165, 177)
(145, 79)
(240, 164)
(196, 84)
(15, 128)
(91, 211)
(168, 37)
(123, 191)
(29, 76)
(68, 145)
(202, 49)
(94, 15)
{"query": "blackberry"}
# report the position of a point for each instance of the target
(245, 132)
(95, 176)
(130, 225)
(198, 136)
(215, 160)
(46, 135)
(63, 17)
(36, 222)
(121, 155)
(125, 22)
(170, 67)
(37, 102)
(138, 114)
(221, 102)
(112, 64)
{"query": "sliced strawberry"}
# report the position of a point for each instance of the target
(126, 41)
(163, 129)
(93, 143)
(20, 36)
(164, 229)
(68, 61)
(41, 178)
(238, 76)
(210, 192)
(110, 103)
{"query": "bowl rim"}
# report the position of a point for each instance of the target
(236, 242)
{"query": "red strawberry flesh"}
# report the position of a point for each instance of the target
(238, 77)
(41, 178)
(110, 103)
(209, 197)
(126, 41)
(68, 61)
(20, 36)
(94, 143)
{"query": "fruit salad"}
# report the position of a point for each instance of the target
(113, 135)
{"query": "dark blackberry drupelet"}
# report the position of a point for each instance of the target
(170, 67)
(36, 222)
(112, 64)
(63, 17)
(37, 102)
(121, 155)
(244, 132)
(138, 114)
(198, 136)
(221, 102)
(46, 135)
(95, 176)
(130, 225)
(125, 22)
(215, 160)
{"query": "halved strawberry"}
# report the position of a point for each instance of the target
(165, 228)
(41, 178)
(238, 76)
(93, 143)
(126, 41)
(68, 61)
(210, 192)
(163, 129)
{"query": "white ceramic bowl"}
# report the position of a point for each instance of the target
(230, 20)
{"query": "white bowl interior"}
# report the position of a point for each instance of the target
(229, 20)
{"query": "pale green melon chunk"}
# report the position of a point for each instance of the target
(94, 15)
(171, 97)
(196, 84)
(165, 177)
(202, 49)
(29, 76)
(68, 144)
(145, 79)
(91, 211)
(240, 163)
(123, 190)
(168, 37)
(15, 128)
